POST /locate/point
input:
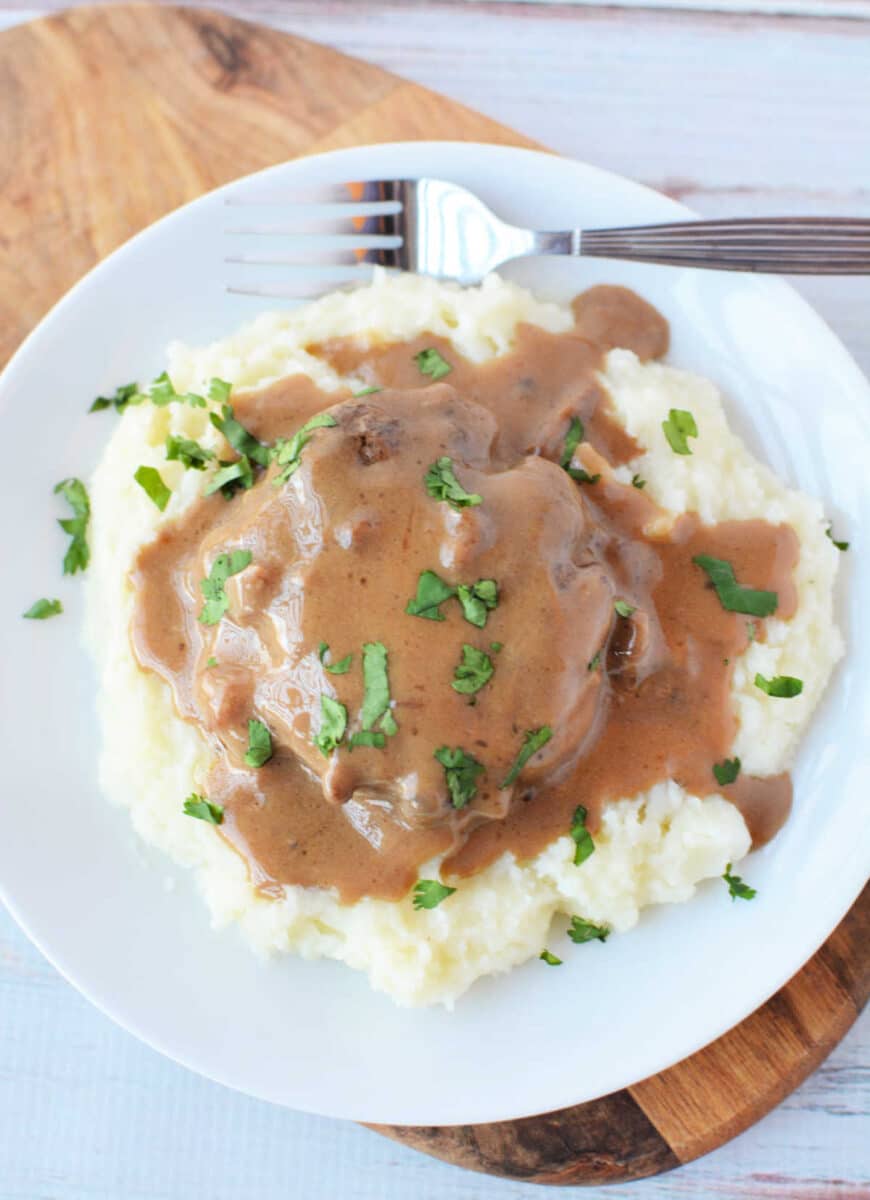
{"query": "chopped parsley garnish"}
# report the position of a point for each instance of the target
(243, 442)
(581, 931)
(593, 661)
(573, 438)
(750, 631)
(367, 737)
(461, 771)
(581, 476)
(341, 667)
(127, 393)
(212, 662)
(478, 600)
(366, 391)
(151, 482)
(473, 672)
(428, 893)
(533, 740)
(829, 532)
(781, 686)
(219, 390)
(736, 887)
(431, 592)
(726, 771)
(203, 810)
(41, 610)
(679, 426)
(216, 600)
(550, 959)
(376, 697)
(77, 555)
(432, 364)
(582, 838)
(496, 646)
(231, 477)
(732, 595)
(623, 608)
(161, 392)
(637, 482)
(442, 484)
(333, 723)
(189, 453)
(259, 749)
(287, 451)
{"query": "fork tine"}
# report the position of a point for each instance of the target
(306, 281)
(306, 213)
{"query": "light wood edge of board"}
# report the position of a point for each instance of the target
(242, 97)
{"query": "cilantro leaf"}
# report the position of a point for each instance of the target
(287, 451)
(679, 426)
(366, 391)
(829, 532)
(78, 554)
(189, 453)
(726, 771)
(550, 959)
(461, 771)
(478, 600)
(781, 686)
(367, 737)
(737, 889)
(216, 600)
(197, 806)
(388, 723)
(533, 740)
(582, 931)
(212, 662)
(340, 668)
(442, 484)
(432, 364)
(580, 476)
(162, 392)
(732, 595)
(594, 661)
(127, 393)
(583, 843)
(431, 591)
(41, 610)
(623, 608)
(428, 893)
(219, 390)
(243, 442)
(475, 670)
(259, 749)
(230, 478)
(376, 697)
(333, 723)
(637, 482)
(151, 482)
(573, 438)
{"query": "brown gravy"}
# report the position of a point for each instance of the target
(336, 555)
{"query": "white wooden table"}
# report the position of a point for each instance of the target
(760, 107)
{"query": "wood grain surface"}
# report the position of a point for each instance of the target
(110, 117)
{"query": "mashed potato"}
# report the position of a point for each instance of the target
(652, 848)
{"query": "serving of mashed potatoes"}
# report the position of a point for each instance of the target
(652, 848)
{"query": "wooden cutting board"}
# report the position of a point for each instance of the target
(109, 118)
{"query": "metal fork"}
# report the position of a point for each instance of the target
(433, 227)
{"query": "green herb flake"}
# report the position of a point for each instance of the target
(750, 631)
(203, 810)
(623, 608)
(216, 600)
(376, 696)
(580, 476)
(581, 931)
(333, 723)
(784, 687)
(189, 453)
(580, 835)
(573, 438)
(78, 554)
(340, 668)
(219, 390)
(726, 771)
(737, 889)
(161, 392)
(461, 771)
(594, 662)
(287, 452)
(366, 391)
(259, 744)
(678, 428)
(428, 893)
(732, 595)
(496, 646)
(442, 484)
(478, 600)
(637, 482)
(431, 592)
(41, 610)
(473, 672)
(432, 364)
(151, 482)
(212, 662)
(550, 959)
(231, 477)
(829, 532)
(367, 737)
(388, 724)
(533, 740)
(127, 393)
(241, 440)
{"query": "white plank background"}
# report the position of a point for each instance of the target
(735, 106)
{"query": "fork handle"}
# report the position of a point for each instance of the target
(789, 245)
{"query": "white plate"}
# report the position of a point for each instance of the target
(312, 1035)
